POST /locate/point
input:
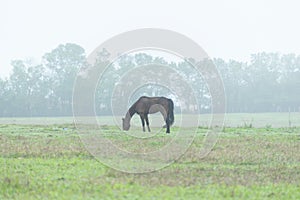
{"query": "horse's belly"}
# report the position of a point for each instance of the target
(157, 108)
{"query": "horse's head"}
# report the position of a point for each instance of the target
(126, 124)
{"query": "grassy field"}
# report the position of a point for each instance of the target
(49, 161)
(257, 120)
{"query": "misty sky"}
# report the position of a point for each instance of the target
(227, 29)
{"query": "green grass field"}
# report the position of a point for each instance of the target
(233, 120)
(49, 161)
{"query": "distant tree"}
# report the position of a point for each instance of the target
(268, 83)
(4, 107)
(289, 90)
(18, 89)
(39, 90)
(62, 65)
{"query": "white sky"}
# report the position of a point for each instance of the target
(227, 29)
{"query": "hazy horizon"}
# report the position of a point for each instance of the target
(229, 30)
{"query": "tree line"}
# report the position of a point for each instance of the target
(269, 82)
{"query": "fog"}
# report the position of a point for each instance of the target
(268, 83)
(226, 29)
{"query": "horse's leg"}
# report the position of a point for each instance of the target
(165, 118)
(168, 128)
(147, 122)
(143, 121)
(168, 125)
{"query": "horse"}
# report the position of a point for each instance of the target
(148, 105)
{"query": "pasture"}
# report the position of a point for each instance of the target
(256, 157)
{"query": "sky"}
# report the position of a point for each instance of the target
(231, 29)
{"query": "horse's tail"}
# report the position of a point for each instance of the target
(170, 111)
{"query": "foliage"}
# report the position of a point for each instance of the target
(268, 83)
(43, 89)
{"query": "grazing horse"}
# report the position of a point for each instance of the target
(148, 105)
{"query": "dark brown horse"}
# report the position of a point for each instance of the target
(148, 105)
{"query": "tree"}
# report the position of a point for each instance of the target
(4, 97)
(62, 65)
(269, 82)
(18, 89)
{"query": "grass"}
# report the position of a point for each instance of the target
(50, 162)
(257, 120)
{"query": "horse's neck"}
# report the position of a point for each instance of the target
(129, 114)
(128, 117)
(131, 110)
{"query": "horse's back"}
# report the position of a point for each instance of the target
(144, 104)
(152, 99)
